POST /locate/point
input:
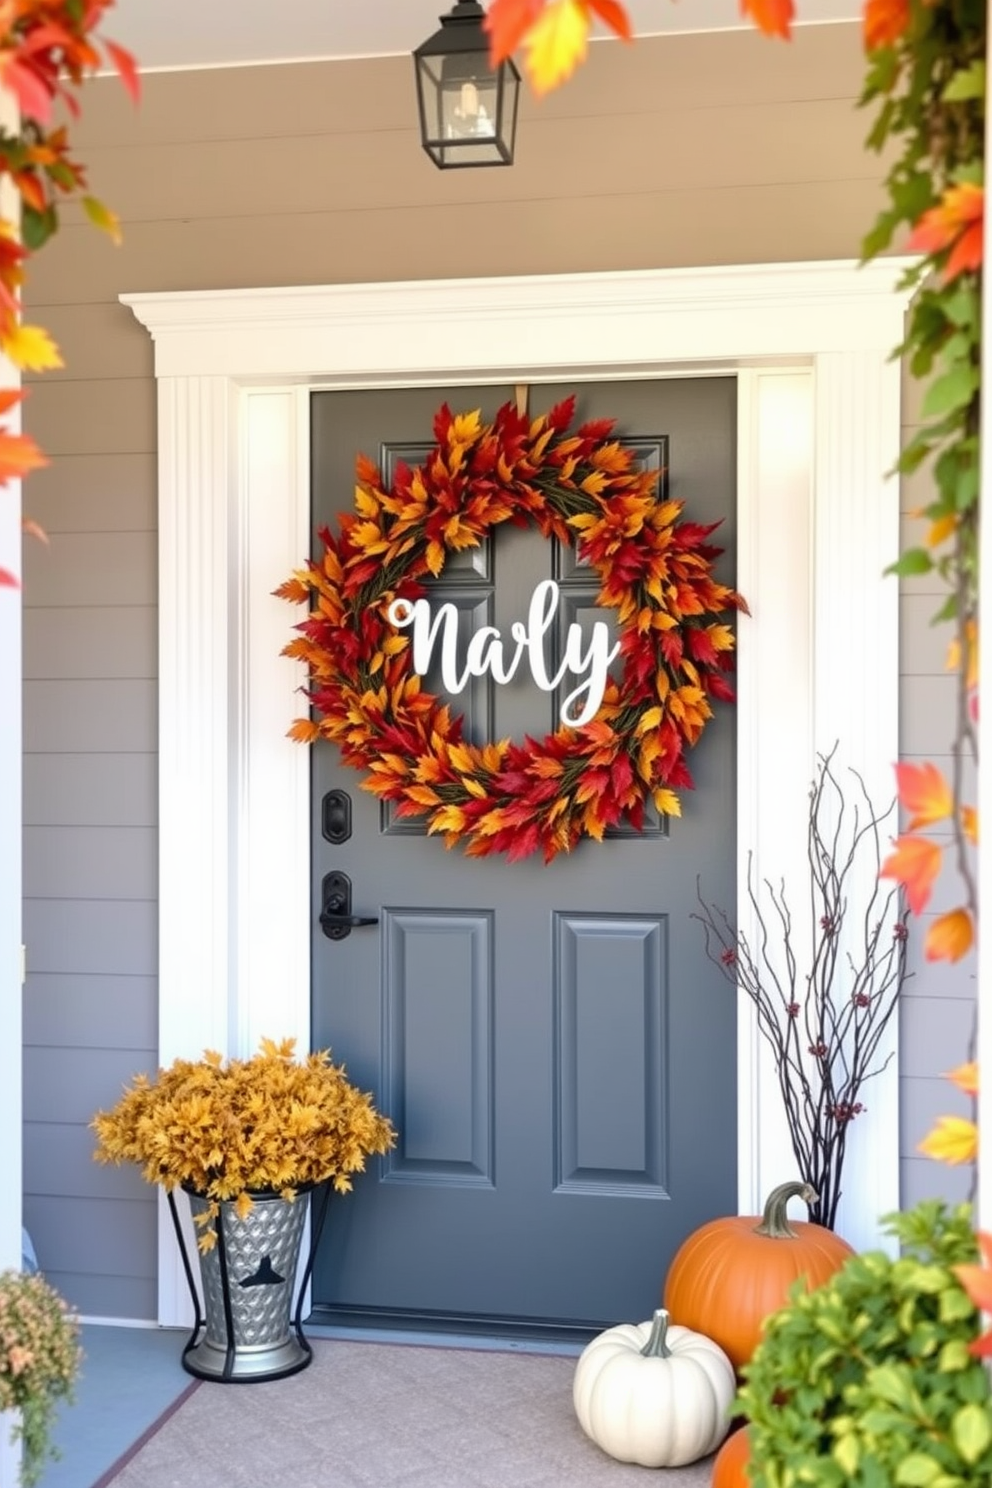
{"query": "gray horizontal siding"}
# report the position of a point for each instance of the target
(98, 1296)
(115, 937)
(659, 229)
(112, 789)
(937, 1012)
(96, 1250)
(61, 1156)
(61, 643)
(98, 570)
(80, 1010)
(90, 863)
(103, 492)
(93, 716)
(68, 1086)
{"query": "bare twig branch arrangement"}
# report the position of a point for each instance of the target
(825, 1026)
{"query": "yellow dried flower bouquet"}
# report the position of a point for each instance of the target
(227, 1130)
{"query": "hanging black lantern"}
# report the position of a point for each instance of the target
(468, 109)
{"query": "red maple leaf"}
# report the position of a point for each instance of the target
(508, 22)
(773, 17)
(884, 22)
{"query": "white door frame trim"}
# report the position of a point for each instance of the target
(818, 428)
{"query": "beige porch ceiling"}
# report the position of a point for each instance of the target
(166, 34)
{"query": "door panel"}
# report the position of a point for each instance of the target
(551, 1042)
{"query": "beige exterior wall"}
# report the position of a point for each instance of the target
(684, 151)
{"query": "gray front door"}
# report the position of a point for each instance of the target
(551, 1042)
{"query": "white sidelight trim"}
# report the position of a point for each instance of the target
(818, 412)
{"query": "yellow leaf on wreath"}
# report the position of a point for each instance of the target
(667, 802)
(492, 755)
(460, 758)
(435, 557)
(423, 795)
(448, 819)
(593, 822)
(474, 787)
(365, 503)
(648, 721)
(465, 427)
(646, 756)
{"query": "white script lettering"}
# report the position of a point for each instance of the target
(485, 650)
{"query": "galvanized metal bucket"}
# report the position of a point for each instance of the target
(248, 1330)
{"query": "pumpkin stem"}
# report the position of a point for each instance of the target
(774, 1222)
(656, 1347)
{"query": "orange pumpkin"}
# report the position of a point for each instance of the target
(729, 1468)
(732, 1273)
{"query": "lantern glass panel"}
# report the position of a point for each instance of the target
(468, 111)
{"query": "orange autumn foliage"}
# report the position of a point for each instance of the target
(47, 50)
(954, 227)
(554, 34)
(884, 22)
(977, 1282)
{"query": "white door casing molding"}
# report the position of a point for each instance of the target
(818, 428)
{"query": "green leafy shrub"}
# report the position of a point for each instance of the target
(869, 1381)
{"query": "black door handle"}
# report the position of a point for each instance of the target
(351, 921)
(336, 919)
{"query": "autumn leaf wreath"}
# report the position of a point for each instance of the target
(585, 489)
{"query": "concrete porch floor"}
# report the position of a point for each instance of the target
(131, 1375)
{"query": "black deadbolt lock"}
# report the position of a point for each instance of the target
(335, 816)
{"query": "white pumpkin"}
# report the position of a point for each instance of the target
(654, 1394)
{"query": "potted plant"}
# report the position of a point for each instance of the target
(39, 1360)
(874, 1377)
(244, 1138)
